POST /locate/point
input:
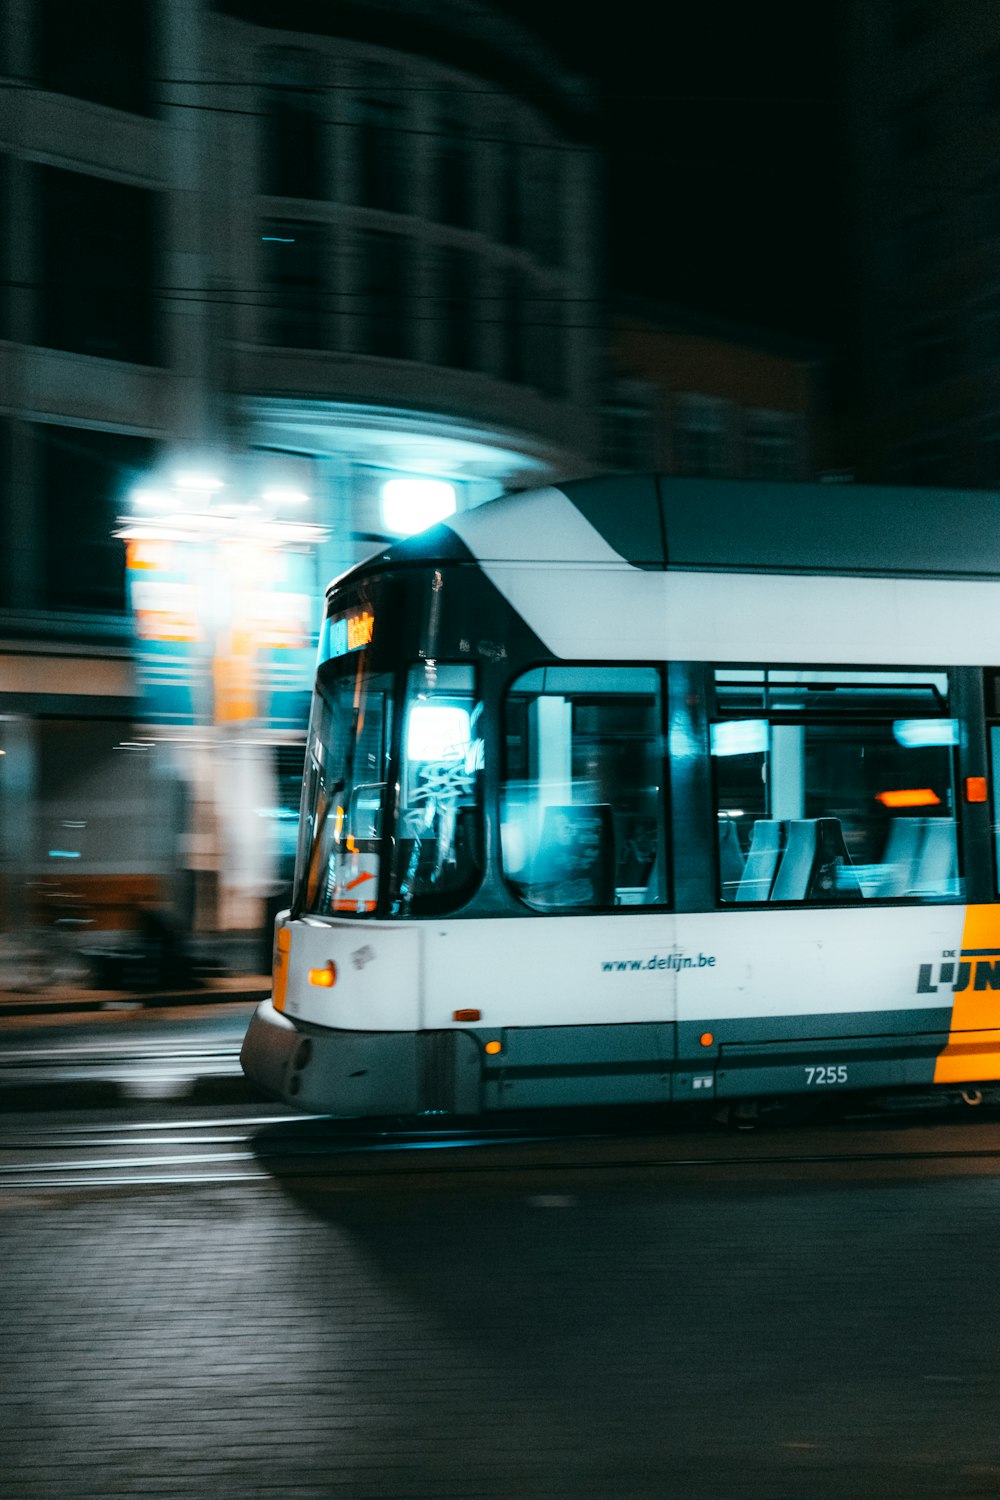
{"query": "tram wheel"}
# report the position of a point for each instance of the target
(771, 1114)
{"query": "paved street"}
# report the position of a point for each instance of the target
(526, 1320)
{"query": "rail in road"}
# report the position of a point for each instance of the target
(273, 1146)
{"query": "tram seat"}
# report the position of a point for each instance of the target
(767, 840)
(900, 857)
(920, 859)
(731, 861)
(575, 861)
(936, 872)
(815, 865)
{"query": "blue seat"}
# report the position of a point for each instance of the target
(766, 843)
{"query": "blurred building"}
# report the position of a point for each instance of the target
(923, 225)
(312, 247)
(689, 396)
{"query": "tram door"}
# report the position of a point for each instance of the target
(583, 843)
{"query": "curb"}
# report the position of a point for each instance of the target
(104, 1001)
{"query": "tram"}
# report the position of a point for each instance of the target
(644, 789)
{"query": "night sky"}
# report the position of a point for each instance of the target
(723, 124)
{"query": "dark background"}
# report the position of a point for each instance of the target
(723, 122)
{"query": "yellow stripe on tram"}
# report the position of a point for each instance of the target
(973, 1050)
(280, 978)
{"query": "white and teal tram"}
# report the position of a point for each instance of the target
(645, 789)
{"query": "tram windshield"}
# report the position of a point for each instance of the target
(432, 862)
(346, 771)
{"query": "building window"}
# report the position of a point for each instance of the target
(295, 264)
(455, 198)
(384, 312)
(549, 344)
(6, 316)
(458, 304)
(84, 477)
(582, 801)
(511, 192)
(512, 332)
(702, 431)
(628, 435)
(545, 205)
(381, 157)
(98, 259)
(293, 157)
(771, 445)
(99, 52)
(14, 540)
(834, 788)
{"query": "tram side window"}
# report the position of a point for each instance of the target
(582, 805)
(995, 758)
(835, 787)
(438, 855)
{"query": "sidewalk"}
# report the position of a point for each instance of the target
(75, 999)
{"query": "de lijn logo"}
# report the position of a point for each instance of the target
(975, 968)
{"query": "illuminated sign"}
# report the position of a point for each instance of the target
(345, 633)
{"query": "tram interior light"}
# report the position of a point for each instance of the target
(740, 737)
(913, 734)
(438, 731)
(916, 796)
(411, 505)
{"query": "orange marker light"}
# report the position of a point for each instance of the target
(466, 1015)
(493, 1047)
(975, 789)
(326, 977)
(919, 796)
(706, 1039)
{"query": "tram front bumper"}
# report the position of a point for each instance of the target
(331, 1072)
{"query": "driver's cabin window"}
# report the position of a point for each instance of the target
(439, 845)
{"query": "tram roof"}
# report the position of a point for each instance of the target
(658, 522)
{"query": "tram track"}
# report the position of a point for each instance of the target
(263, 1148)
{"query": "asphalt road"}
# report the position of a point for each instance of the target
(227, 1301)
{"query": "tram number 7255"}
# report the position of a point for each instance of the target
(831, 1074)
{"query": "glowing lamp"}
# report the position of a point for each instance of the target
(437, 731)
(411, 505)
(324, 978)
(285, 495)
(918, 796)
(740, 737)
(197, 482)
